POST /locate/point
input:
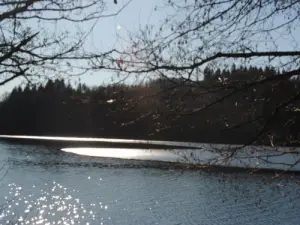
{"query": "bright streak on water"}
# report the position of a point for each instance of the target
(201, 154)
(46, 206)
(51, 188)
(126, 153)
(189, 156)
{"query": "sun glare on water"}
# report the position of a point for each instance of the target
(123, 153)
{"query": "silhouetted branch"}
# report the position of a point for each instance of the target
(29, 39)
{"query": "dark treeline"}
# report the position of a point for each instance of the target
(161, 109)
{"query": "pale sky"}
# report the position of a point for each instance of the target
(108, 31)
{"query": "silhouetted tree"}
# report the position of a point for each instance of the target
(161, 108)
(31, 46)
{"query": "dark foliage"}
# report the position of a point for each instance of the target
(169, 109)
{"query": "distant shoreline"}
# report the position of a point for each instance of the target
(89, 141)
(119, 140)
(57, 143)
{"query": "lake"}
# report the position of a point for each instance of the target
(44, 185)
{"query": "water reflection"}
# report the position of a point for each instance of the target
(131, 196)
(51, 204)
(44, 186)
(126, 153)
(255, 157)
(242, 159)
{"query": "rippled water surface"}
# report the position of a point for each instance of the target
(42, 185)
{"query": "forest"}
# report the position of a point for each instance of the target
(220, 108)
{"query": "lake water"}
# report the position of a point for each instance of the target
(250, 156)
(42, 185)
